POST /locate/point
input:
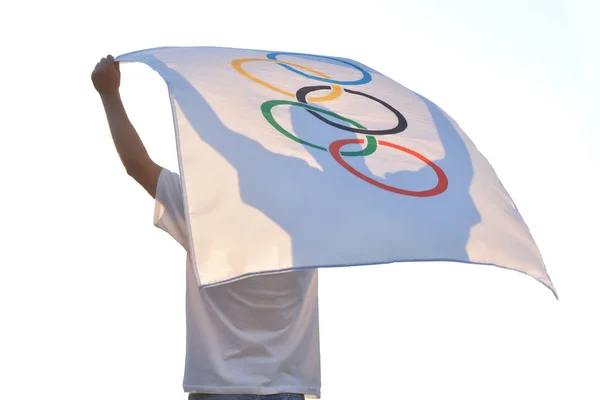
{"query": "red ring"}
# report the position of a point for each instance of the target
(334, 149)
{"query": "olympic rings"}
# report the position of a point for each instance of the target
(442, 185)
(366, 77)
(336, 91)
(336, 146)
(402, 124)
(268, 106)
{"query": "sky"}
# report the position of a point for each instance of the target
(92, 295)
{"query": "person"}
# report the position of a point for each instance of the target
(254, 338)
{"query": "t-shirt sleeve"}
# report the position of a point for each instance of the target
(169, 213)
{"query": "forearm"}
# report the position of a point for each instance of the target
(129, 146)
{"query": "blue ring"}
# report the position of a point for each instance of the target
(366, 78)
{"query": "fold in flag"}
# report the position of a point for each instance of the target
(292, 161)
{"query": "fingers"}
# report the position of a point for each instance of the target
(105, 63)
(100, 66)
(106, 76)
(111, 60)
(96, 70)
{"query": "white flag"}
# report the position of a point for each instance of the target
(293, 161)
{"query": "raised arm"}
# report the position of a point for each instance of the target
(138, 164)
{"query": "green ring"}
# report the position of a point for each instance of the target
(267, 106)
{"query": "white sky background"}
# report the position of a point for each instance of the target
(92, 295)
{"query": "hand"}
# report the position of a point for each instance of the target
(107, 76)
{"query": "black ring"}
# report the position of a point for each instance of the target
(402, 124)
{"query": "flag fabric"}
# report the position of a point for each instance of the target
(292, 161)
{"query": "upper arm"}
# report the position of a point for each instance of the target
(146, 173)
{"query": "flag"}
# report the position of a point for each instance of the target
(292, 161)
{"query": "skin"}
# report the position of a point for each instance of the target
(138, 164)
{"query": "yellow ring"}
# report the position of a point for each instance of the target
(336, 90)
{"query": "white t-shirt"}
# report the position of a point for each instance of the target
(258, 335)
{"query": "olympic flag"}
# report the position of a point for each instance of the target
(293, 161)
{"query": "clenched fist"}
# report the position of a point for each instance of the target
(106, 76)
